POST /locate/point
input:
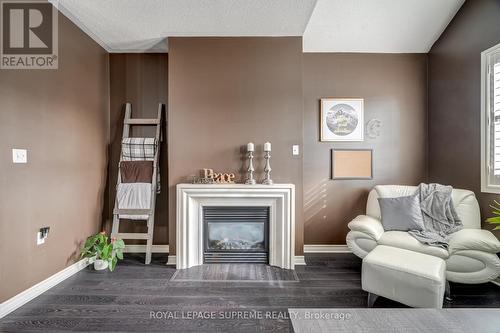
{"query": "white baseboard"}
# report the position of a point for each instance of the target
(299, 260)
(24, 297)
(171, 260)
(314, 248)
(141, 248)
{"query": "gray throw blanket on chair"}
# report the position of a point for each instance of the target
(440, 216)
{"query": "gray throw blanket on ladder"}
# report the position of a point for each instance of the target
(440, 216)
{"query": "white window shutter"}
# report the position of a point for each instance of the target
(495, 106)
(490, 120)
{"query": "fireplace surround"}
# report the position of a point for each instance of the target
(279, 199)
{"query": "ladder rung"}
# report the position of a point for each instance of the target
(134, 235)
(132, 211)
(142, 121)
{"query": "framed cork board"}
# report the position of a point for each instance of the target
(351, 164)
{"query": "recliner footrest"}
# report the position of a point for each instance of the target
(408, 277)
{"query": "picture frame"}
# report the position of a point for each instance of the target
(342, 119)
(351, 164)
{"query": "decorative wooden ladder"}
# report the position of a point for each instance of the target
(148, 236)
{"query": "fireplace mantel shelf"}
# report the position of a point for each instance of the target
(191, 198)
(233, 186)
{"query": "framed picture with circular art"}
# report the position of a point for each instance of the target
(342, 119)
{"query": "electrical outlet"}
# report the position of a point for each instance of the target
(19, 156)
(295, 150)
(42, 235)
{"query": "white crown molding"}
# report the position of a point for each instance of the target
(24, 297)
(142, 249)
(314, 248)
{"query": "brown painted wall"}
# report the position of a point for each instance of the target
(140, 79)
(226, 92)
(61, 117)
(455, 97)
(394, 89)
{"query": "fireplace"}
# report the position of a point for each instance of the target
(192, 199)
(235, 234)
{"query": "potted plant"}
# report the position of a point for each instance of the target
(496, 211)
(105, 252)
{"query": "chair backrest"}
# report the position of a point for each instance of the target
(465, 202)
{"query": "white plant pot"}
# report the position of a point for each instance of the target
(100, 264)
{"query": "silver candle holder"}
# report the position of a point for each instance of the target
(267, 169)
(250, 180)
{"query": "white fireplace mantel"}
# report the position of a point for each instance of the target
(191, 198)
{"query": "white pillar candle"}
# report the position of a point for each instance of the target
(267, 146)
(250, 147)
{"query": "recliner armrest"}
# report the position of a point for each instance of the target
(368, 225)
(473, 239)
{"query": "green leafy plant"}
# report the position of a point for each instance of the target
(496, 211)
(100, 247)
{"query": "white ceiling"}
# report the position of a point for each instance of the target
(378, 26)
(395, 26)
(138, 25)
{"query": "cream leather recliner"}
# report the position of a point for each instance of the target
(472, 253)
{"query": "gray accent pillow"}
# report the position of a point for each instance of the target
(402, 213)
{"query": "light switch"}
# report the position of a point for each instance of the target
(19, 156)
(42, 235)
(39, 238)
(295, 150)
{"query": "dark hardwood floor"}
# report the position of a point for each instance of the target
(139, 298)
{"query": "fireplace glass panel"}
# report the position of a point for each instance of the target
(236, 236)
